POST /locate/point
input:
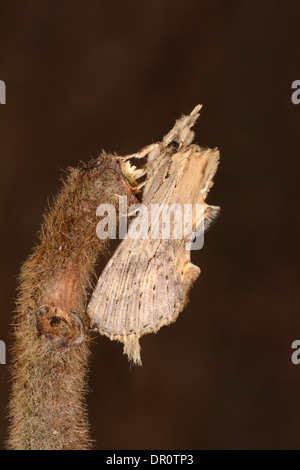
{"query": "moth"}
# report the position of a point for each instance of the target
(145, 284)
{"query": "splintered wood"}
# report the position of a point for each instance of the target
(146, 282)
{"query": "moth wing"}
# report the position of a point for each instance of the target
(166, 285)
(143, 287)
(107, 307)
(211, 216)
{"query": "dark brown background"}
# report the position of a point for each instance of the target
(82, 76)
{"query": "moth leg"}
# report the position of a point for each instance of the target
(142, 153)
(59, 328)
(141, 185)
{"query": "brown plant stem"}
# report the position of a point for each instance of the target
(50, 354)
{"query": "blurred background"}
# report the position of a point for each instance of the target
(86, 76)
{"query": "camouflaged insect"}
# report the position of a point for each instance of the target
(145, 284)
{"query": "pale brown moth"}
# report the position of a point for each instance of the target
(145, 284)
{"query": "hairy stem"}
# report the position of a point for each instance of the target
(50, 354)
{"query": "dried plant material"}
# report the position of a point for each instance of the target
(50, 355)
(145, 284)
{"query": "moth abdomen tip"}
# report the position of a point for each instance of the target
(132, 349)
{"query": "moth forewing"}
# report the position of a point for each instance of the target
(146, 282)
